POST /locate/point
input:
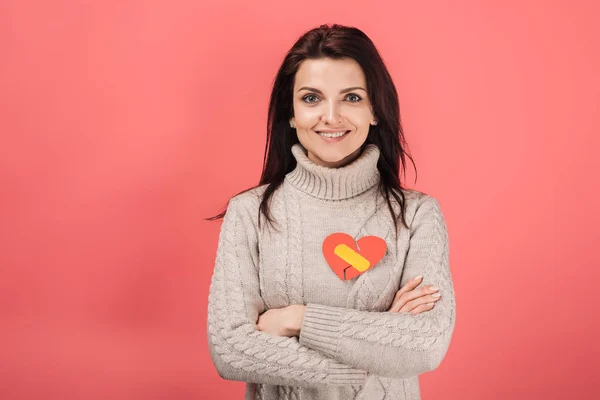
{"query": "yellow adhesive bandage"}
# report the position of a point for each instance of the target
(351, 257)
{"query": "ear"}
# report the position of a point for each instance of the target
(374, 121)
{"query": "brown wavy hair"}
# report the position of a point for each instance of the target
(335, 42)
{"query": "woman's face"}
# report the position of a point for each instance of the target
(331, 96)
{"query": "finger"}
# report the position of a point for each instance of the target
(412, 299)
(411, 305)
(400, 301)
(422, 308)
(410, 285)
(396, 306)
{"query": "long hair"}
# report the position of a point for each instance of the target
(335, 42)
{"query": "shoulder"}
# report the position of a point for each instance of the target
(250, 198)
(412, 199)
(418, 204)
(416, 199)
(245, 206)
(426, 209)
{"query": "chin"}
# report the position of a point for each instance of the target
(332, 155)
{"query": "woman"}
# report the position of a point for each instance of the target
(297, 308)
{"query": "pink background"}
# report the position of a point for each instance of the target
(125, 123)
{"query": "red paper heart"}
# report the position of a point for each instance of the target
(372, 248)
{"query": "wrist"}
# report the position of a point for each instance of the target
(297, 316)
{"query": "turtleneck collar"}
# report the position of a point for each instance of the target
(335, 183)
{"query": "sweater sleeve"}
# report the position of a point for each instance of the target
(394, 344)
(238, 349)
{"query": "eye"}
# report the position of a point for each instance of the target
(308, 96)
(358, 98)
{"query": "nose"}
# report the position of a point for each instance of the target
(331, 114)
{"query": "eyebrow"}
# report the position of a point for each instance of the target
(341, 91)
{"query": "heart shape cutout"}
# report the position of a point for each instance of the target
(348, 259)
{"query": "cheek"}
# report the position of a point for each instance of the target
(360, 122)
(307, 117)
(363, 116)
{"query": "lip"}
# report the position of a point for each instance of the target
(332, 130)
(335, 139)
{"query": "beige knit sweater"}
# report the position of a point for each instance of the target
(349, 346)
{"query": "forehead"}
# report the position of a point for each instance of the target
(327, 73)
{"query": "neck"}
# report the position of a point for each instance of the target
(340, 183)
(335, 164)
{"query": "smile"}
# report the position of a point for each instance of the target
(333, 134)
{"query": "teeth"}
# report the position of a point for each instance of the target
(332, 135)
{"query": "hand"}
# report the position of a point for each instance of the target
(415, 301)
(282, 321)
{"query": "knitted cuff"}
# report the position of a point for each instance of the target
(320, 328)
(320, 331)
(340, 374)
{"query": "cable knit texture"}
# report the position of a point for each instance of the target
(350, 346)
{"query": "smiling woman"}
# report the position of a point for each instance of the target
(327, 300)
(330, 116)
